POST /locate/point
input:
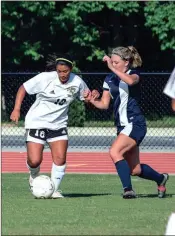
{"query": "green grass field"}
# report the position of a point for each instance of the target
(93, 206)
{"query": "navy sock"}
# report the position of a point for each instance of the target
(124, 172)
(148, 173)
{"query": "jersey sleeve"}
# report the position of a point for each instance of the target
(135, 72)
(169, 89)
(106, 83)
(35, 84)
(83, 87)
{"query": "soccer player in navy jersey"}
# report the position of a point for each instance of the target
(123, 86)
(46, 120)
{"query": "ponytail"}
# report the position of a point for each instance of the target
(136, 59)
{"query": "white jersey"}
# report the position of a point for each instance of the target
(169, 89)
(50, 110)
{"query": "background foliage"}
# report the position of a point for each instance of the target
(87, 30)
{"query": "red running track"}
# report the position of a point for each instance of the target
(87, 162)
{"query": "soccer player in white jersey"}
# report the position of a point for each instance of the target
(123, 86)
(46, 120)
(169, 89)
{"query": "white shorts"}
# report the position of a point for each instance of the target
(46, 135)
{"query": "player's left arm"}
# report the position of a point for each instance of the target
(88, 95)
(83, 88)
(129, 79)
(85, 94)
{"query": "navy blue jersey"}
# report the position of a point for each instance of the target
(126, 99)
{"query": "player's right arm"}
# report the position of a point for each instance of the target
(32, 86)
(104, 102)
(15, 115)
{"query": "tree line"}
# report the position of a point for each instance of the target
(31, 30)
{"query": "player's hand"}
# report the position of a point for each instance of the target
(108, 60)
(95, 94)
(87, 95)
(15, 115)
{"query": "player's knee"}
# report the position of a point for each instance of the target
(136, 171)
(59, 160)
(114, 154)
(33, 163)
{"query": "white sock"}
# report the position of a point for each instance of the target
(33, 171)
(57, 174)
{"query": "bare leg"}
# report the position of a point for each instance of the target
(133, 159)
(34, 159)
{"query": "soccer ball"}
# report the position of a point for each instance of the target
(42, 187)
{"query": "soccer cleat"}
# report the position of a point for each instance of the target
(57, 194)
(129, 194)
(161, 187)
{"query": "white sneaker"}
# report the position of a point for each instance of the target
(57, 194)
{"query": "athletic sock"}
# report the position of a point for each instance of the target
(124, 173)
(57, 174)
(33, 171)
(148, 173)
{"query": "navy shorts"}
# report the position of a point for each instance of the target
(134, 131)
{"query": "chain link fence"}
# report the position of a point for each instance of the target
(89, 127)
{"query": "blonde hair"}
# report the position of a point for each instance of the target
(130, 54)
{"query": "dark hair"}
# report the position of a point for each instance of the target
(60, 59)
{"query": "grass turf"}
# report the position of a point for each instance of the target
(93, 206)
